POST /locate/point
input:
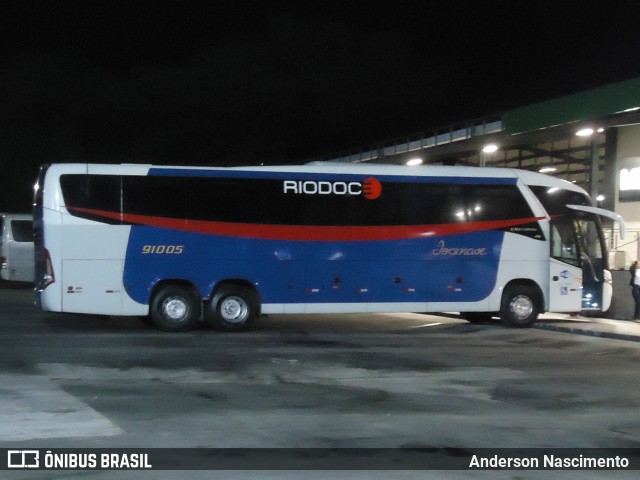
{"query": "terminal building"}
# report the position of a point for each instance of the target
(591, 138)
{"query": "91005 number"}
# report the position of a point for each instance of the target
(162, 249)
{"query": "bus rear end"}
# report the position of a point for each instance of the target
(79, 261)
(44, 271)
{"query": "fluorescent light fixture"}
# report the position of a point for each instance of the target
(490, 148)
(584, 132)
(547, 169)
(414, 161)
(600, 198)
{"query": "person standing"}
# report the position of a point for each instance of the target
(635, 288)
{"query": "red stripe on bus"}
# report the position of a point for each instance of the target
(308, 232)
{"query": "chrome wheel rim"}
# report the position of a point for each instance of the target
(175, 308)
(521, 307)
(234, 309)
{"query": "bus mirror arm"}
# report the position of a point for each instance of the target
(603, 213)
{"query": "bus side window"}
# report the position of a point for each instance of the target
(97, 192)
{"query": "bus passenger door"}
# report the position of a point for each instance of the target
(565, 272)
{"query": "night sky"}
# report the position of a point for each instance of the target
(251, 82)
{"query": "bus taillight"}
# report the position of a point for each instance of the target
(48, 276)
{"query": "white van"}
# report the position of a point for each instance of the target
(16, 247)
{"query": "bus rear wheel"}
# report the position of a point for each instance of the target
(233, 308)
(520, 306)
(175, 308)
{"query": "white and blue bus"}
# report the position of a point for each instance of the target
(224, 245)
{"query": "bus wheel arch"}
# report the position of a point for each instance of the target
(234, 305)
(522, 302)
(175, 306)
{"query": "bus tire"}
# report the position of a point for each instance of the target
(520, 306)
(233, 308)
(175, 308)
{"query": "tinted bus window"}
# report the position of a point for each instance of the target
(497, 202)
(94, 192)
(555, 200)
(441, 203)
(432, 204)
(265, 201)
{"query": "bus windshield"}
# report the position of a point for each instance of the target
(589, 239)
(590, 245)
(576, 235)
(575, 240)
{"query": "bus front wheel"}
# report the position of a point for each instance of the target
(175, 308)
(233, 308)
(520, 306)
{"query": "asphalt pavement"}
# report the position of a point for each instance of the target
(559, 322)
(593, 326)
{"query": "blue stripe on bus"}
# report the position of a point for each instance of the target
(441, 269)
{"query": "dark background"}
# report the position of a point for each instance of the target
(251, 82)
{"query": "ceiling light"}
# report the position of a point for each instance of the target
(414, 161)
(547, 169)
(584, 132)
(490, 148)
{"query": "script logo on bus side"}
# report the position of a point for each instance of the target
(371, 188)
(456, 251)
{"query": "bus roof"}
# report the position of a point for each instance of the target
(527, 177)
